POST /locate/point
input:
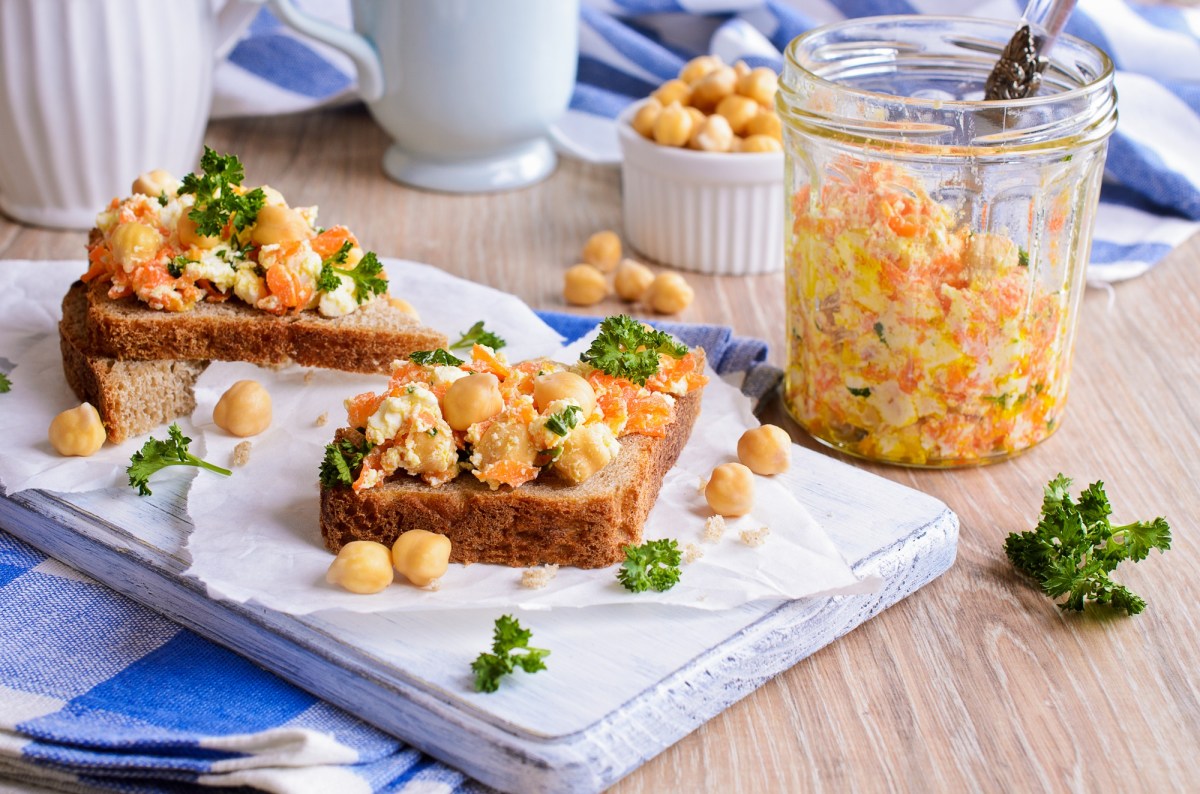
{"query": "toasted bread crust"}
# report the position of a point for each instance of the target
(366, 340)
(544, 521)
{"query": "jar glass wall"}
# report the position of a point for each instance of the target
(936, 243)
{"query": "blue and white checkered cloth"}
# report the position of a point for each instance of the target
(100, 693)
(1151, 199)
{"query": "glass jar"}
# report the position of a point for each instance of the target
(936, 244)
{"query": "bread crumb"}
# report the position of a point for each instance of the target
(322, 420)
(241, 453)
(714, 528)
(309, 375)
(703, 483)
(434, 586)
(755, 537)
(691, 553)
(538, 577)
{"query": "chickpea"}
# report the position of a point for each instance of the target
(472, 399)
(760, 143)
(697, 119)
(699, 67)
(244, 409)
(362, 566)
(77, 432)
(673, 91)
(404, 306)
(645, 117)
(741, 69)
(188, 236)
(586, 451)
(738, 110)
(279, 224)
(670, 293)
(632, 280)
(765, 449)
(760, 85)
(564, 385)
(673, 126)
(730, 490)
(713, 87)
(766, 123)
(602, 250)
(584, 285)
(421, 556)
(715, 135)
(272, 196)
(135, 243)
(156, 183)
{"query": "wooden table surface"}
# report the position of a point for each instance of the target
(976, 682)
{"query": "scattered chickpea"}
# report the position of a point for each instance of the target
(603, 250)
(472, 399)
(715, 135)
(673, 126)
(244, 409)
(644, 119)
(673, 91)
(156, 183)
(362, 566)
(760, 85)
(564, 385)
(584, 285)
(738, 110)
(77, 432)
(421, 556)
(766, 123)
(279, 224)
(699, 67)
(761, 143)
(713, 87)
(134, 244)
(632, 280)
(670, 293)
(730, 490)
(404, 306)
(765, 449)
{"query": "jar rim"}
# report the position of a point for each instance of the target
(1104, 74)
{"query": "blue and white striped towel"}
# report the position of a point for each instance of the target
(100, 693)
(1151, 200)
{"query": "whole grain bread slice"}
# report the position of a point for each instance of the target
(544, 521)
(366, 340)
(132, 397)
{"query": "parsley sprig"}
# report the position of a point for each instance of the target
(625, 348)
(477, 334)
(430, 358)
(1075, 547)
(218, 204)
(155, 455)
(654, 564)
(510, 650)
(342, 461)
(564, 421)
(5, 383)
(365, 274)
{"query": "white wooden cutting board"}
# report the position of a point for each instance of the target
(624, 682)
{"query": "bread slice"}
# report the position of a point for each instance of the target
(544, 521)
(366, 340)
(133, 397)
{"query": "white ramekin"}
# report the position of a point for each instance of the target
(708, 212)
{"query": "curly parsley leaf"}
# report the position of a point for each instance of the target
(342, 461)
(364, 275)
(1075, 547)
(865, 391)
(564, 421)
(177, 265)
(654, 564)
(218, 202)
(510, 650)
(433, 358)
(625, 348)
(478, 335)
(5, 383)
(155, 455)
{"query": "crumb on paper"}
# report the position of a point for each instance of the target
(538, 576)
(309, 375)
(714, 528)
(755, 537)
(241, 453)
(691, 553)
(434, 585)
(703, 483)
(322, 420)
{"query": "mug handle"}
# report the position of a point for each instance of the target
(360, 51)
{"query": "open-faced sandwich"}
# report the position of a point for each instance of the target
(516, 463)
(183, 272)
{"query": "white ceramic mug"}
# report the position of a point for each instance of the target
(467, 89)
(94, 93)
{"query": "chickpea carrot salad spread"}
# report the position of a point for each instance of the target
(209, 238)
(914, 338)
(508, 424)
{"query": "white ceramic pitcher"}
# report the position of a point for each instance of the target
(467, 89)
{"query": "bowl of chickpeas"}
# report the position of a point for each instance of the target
(702, 170)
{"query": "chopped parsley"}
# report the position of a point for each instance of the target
(431, 358)
(1022, 257)
(865, 391)
(654, 564)
(162, 199)
(564, 421)
(510, 650)
(176, 266)
(478, 335)
(879, 333)
(625, 348)
(218, 203)
(365, 274)
(5, 383)
(342, 461)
